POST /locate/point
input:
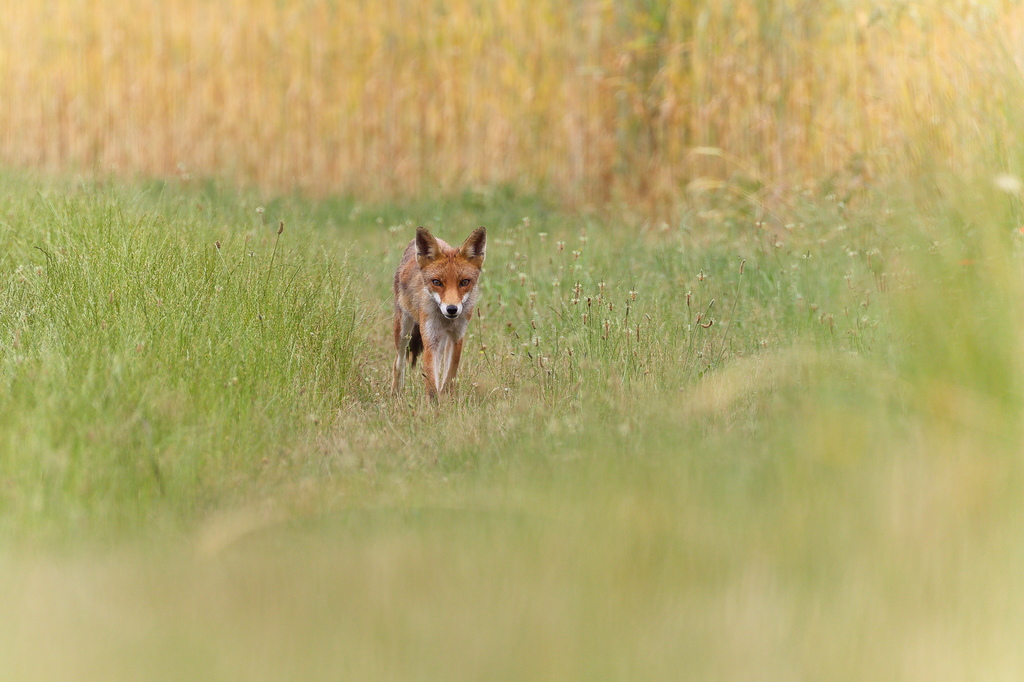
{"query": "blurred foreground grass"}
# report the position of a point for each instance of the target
(201, 474)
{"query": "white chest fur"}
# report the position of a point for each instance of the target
(442, 333)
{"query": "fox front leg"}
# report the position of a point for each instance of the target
(453, 367)
(430, 371)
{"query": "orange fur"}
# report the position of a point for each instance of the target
(435, 293)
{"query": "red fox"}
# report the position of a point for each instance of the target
(435, 292)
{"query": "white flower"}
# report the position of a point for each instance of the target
(1010, 184)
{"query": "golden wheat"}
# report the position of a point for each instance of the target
(590, 100)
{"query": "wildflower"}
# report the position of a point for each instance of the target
(1010, 184)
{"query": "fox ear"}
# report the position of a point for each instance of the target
(475, 246)
(427, 249)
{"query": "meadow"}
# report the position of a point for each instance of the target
(742, 399)
(750, 451)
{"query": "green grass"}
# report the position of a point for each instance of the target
(152, 350)
(202, 474)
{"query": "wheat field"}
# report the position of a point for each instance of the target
(591, 101)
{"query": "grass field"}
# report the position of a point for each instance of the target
(719, 449)
(743, 399)
(642, 102)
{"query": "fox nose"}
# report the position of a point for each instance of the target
(452, 310)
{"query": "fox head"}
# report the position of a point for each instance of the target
(450, 275)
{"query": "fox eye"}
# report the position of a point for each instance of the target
(436, 282)
(464, 283)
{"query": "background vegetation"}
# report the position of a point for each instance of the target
(743, 398)
(638, 101)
